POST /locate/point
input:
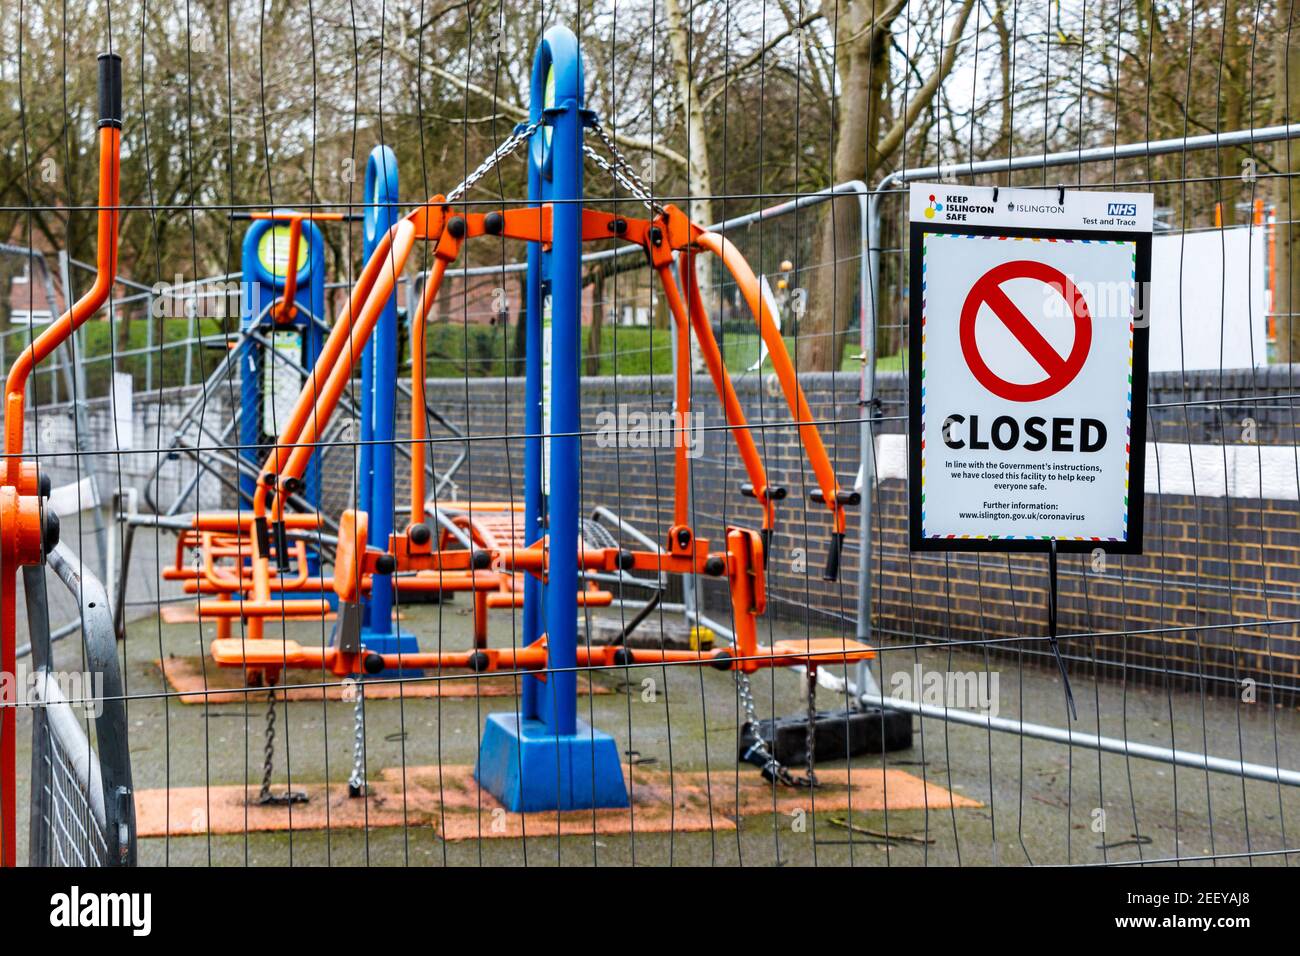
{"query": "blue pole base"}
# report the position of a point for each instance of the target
(401, 642)
(529, 768)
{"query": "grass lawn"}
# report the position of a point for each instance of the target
(892, 363)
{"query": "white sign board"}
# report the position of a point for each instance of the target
(1209, 305)
(1028, 368)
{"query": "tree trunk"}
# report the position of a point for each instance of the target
(1004, 72)
(1232, 97)
(1286, 192)
(833, 277)
(699, 176)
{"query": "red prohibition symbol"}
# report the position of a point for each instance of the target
(1060, 371)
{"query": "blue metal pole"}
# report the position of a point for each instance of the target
(313, 338)
(264, 281)
(366, 458)
(381, 213)
(561, 93)
(250, 405)
(534, 528)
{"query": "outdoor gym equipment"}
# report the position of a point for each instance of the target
(283, 271)
(519, 754)
(282, 334)
(283, 266)
(284, 295)
(28, 531)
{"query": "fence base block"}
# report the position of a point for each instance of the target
(839, 734)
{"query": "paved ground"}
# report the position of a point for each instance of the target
(1041, 802)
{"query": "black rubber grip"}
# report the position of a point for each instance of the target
(281, 545)
(110, 90)
(832, 572)
(841, 497)
(263, 539)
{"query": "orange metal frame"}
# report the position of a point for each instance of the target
(744, 559)
(355, 559)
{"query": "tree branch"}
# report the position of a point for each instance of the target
(760, 52)
(921, 99)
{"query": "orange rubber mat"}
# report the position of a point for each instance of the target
(458, 809)
(179, 614)
(224, 685)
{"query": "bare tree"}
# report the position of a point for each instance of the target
(1286, 193)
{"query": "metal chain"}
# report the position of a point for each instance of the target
(621, 170)
(512, 142)
(357, 782)
(265, 797)
(758, 752)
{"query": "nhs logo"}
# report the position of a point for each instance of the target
(1121, 209)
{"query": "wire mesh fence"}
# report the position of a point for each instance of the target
(313, 440)
(81, 812)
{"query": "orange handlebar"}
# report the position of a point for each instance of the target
(110, 146)
(300, 216)
(332, 348)
(722, 384)
(449, 241)
(22, 537)
(419, 431)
